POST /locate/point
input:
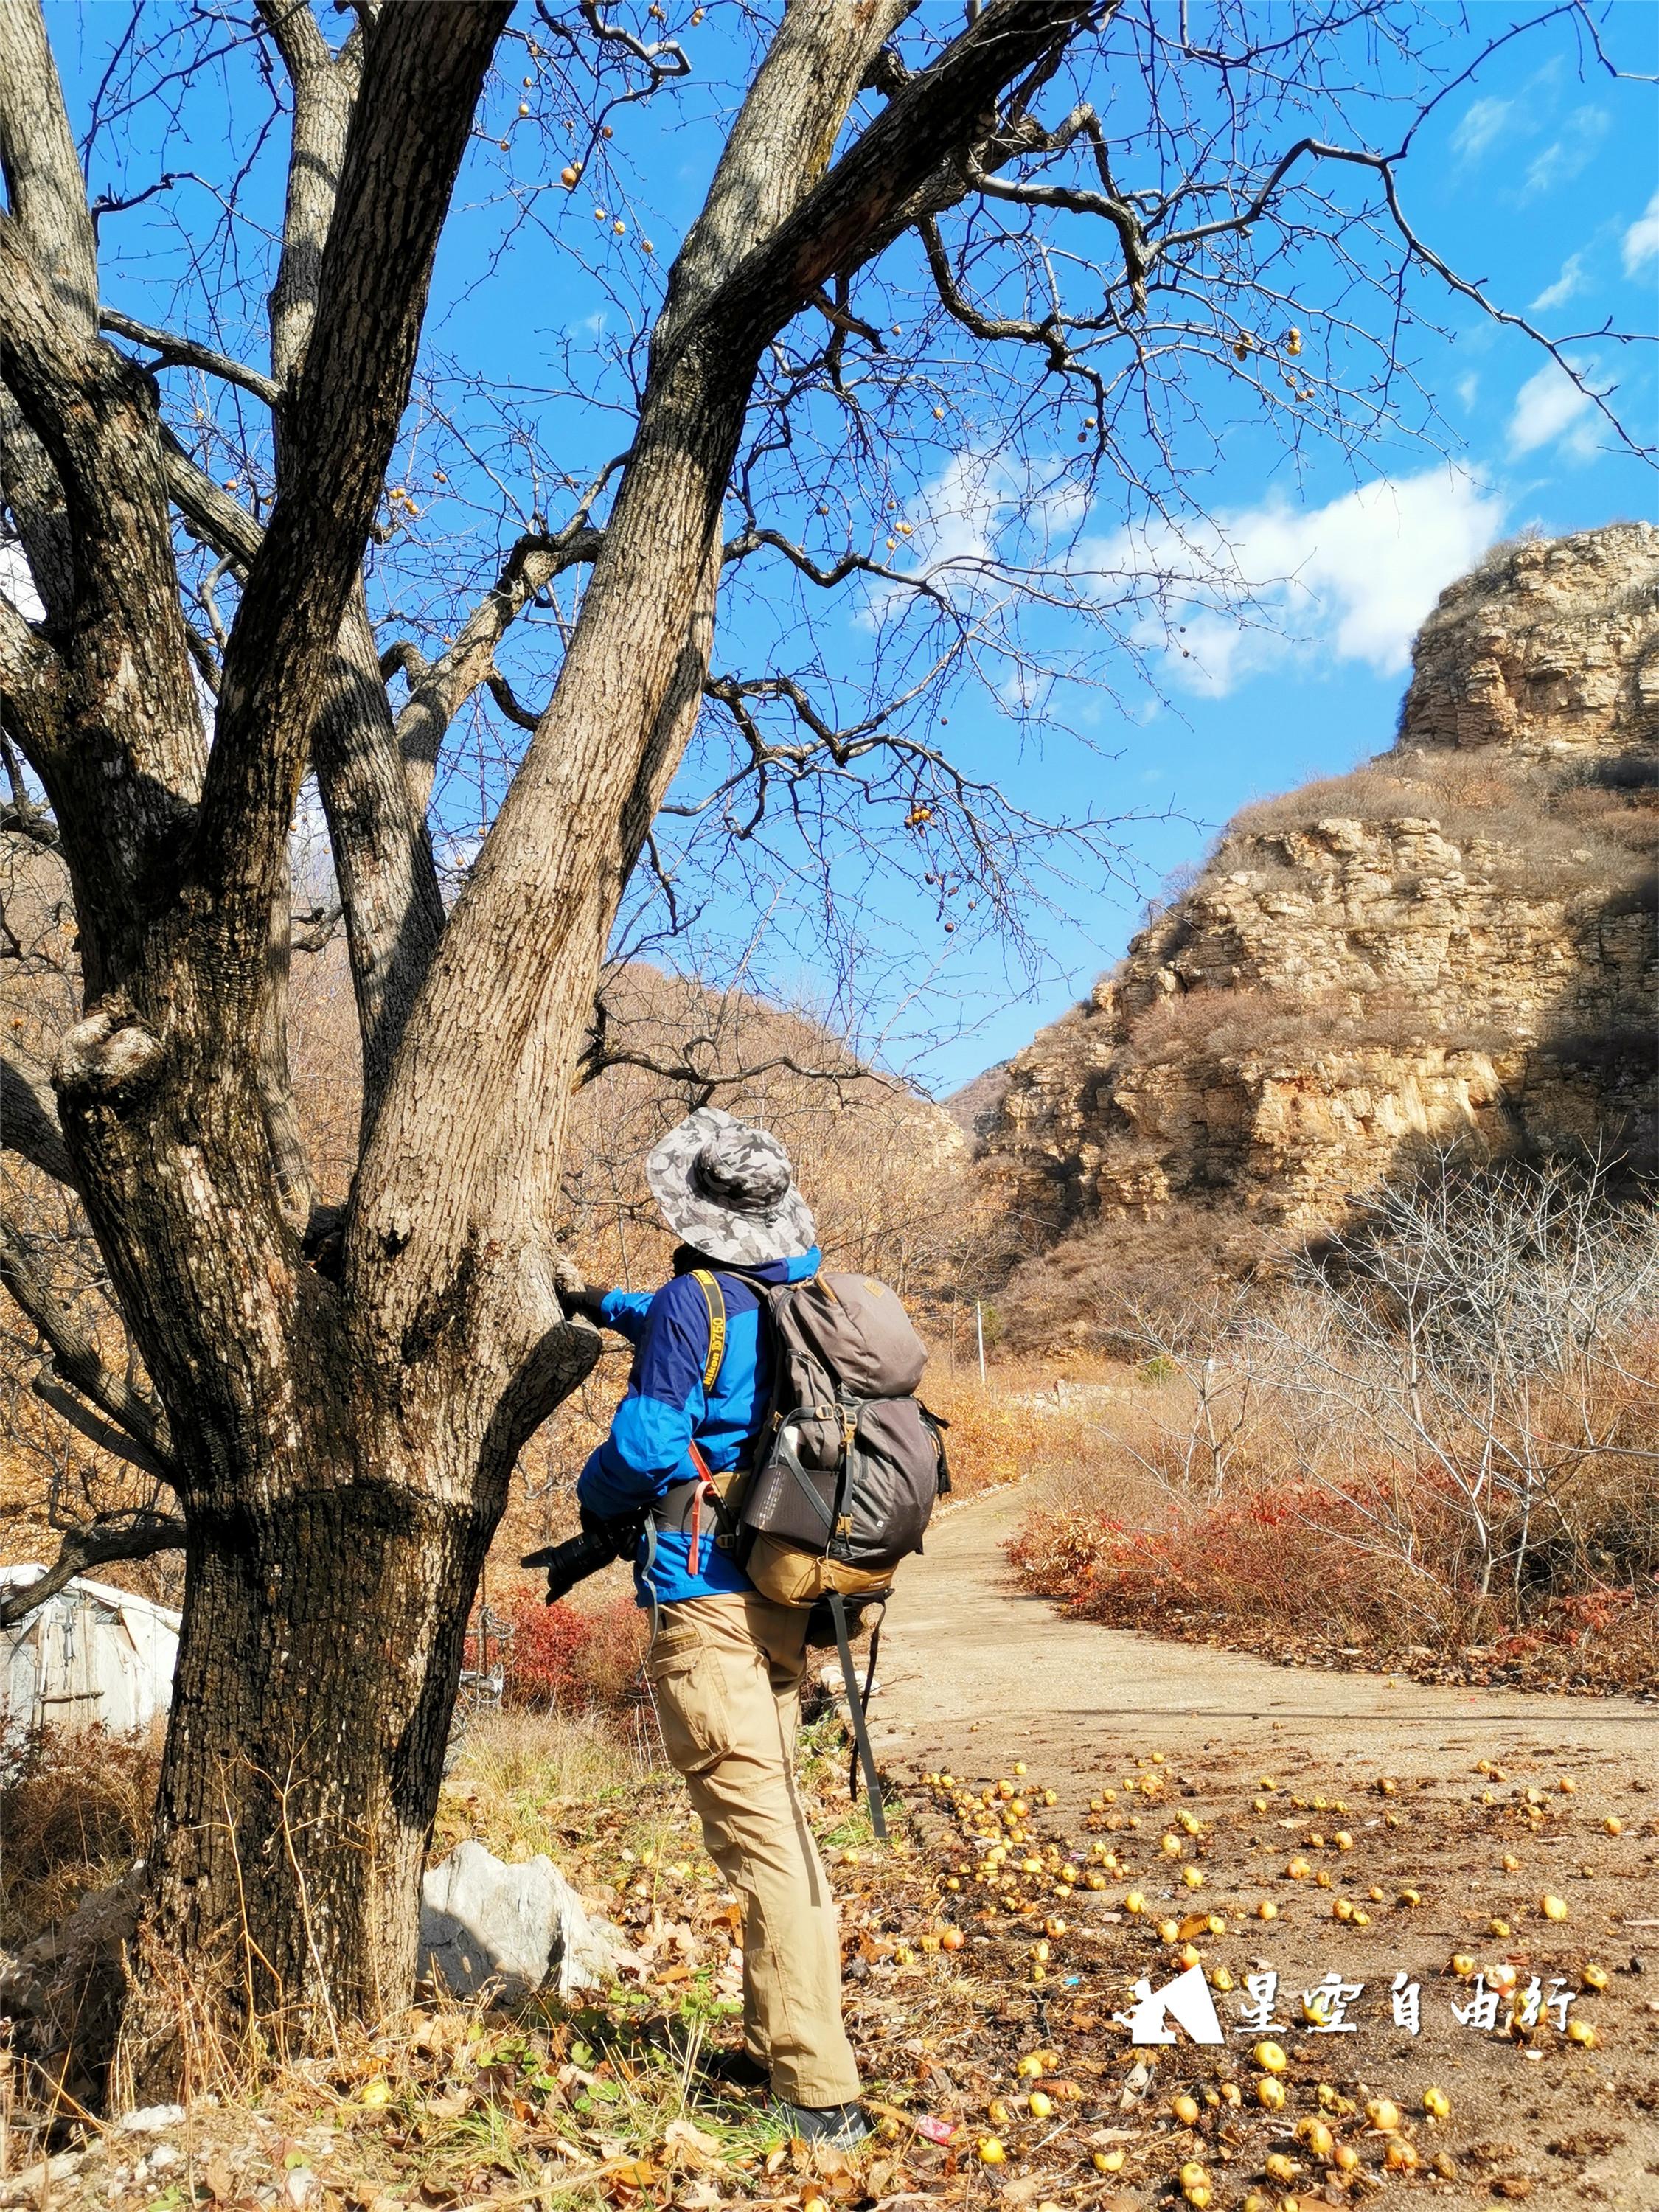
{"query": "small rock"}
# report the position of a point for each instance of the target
(150, 2119)
(25, 2188)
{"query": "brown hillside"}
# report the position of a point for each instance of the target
(1456, 941)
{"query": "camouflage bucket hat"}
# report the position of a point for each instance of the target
(728, 1190)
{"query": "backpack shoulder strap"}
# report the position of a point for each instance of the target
(717, 1305)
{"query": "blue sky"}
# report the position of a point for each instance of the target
(1538, 177)
(1547, 184)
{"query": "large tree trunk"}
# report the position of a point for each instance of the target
(322, 1642)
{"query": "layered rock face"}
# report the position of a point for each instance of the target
(1456, 941)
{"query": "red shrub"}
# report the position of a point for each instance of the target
(559, 1658)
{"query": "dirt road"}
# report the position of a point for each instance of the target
(1477, 1803)
(966, 1650)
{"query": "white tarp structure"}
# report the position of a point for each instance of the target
(90, 1657)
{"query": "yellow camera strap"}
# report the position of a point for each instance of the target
(717, 1305)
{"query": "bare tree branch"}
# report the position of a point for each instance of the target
(43, 177)
(188, 354)
(97, 1431)
(134, 1535)
(28, 1123)
(75, 1356)
(421, 73)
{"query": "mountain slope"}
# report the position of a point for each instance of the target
(1456, 941)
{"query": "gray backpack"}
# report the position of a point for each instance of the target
(845, 1470)
(848, 1463)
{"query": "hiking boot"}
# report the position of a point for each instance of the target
(835, 2127)
(737, 2069)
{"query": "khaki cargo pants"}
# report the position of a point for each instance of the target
(726, 1672)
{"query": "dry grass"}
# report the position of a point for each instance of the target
(75, 1813)
(520, 1774)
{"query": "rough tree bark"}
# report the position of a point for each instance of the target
(341, 1448)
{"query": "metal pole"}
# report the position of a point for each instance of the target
(979, 1327)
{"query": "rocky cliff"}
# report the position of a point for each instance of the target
(1456, 941)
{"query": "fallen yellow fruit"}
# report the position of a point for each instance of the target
(991, 2152)
(1270, 2057)
(1109, 2161)
(1185, 2110)
(1042, 2106)
(1437, 2104)
(1581, 2033)
(1030, 2067)
(375, 2094)
(1383, 2114)
(1169, 1930)
(1193, 2175)
(1270, 2092)
(1401, 2155)
(1594, 1977)
(1552, 1908)
(1277, 2167)
(1135, 1902)
(1317, 2136)
(1298, 1870)
(1266, 1910)
(1614, 1825)
(997, 2112)
(1462, 1965)
(1194, 1877)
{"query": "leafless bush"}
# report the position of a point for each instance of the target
(1482, 1344)
(1442, 1430)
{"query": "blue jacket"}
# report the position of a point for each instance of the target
(667, 1406)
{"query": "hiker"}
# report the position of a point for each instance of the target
(725, 1663)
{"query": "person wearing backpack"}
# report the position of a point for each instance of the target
(727, 1662)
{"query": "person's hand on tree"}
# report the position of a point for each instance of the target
(585, 1301)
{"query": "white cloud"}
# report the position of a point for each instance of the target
(959, 531)
(1483, 121)
(1352, 580)
(1468, 389)
(1548, 405)
(1561, 160)
(1567, 285)
(1641, 238)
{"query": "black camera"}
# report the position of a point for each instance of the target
(578, 1557)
